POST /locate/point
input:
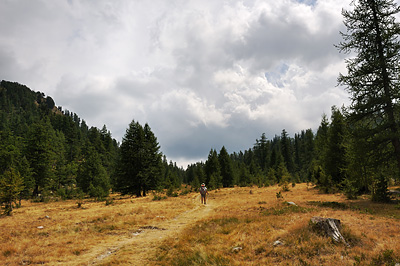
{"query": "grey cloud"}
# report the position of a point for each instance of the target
(271, 39)
(203, 74)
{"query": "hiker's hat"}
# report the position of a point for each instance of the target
(203, 185)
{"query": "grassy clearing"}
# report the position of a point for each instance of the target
(257, 228)
(245, 226)
(63, 233)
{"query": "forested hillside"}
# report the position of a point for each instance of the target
(47, 152)
(335, 158)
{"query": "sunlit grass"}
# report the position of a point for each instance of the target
(63, 233)
(245, 226)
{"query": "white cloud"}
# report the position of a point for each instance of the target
(203, 74)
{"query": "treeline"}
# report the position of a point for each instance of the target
(46, 152)
(358, 150)
(337, 158)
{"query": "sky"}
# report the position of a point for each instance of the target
(202, 73)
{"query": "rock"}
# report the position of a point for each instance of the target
(236, 249)
(292, 203)
(278, 243)
(329, 227)
(40, 227)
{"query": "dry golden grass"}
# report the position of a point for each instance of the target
(239, 226)
(76, 236)
(248, 221)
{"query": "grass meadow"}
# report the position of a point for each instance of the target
(242, 226)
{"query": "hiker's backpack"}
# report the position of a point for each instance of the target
(203, 190)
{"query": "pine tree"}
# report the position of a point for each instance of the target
(139, 166)
(213, 169)
(261, 152)
(373, 74)
(92, 177)
(335, 157)
(129, 163)
(41, 156)
(152, 162)
(227, 174)
(287, 151)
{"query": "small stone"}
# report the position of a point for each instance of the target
(236, 249)
(292, 203)
(278, 243)
(40, 227)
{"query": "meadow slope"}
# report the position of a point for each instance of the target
(238, 226)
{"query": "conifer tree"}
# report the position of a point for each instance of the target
(261, 152)
(227, 174)
(152, 162)
(41, 156)
(286, 150)
(335, 159)
(213, 169)
(373, 74)
(11, 185)
(92, 177)
(139, 166)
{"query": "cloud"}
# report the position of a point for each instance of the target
(202, 74)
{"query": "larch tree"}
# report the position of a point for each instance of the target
(11, 185)
(372, 77)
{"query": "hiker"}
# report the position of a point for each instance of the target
(203, 193)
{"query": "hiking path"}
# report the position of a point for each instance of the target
(143, 243)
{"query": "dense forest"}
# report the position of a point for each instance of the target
(50, 153)
(47, 152)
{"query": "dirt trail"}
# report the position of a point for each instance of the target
(143, 242)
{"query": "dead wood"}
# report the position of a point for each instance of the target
(329, 227)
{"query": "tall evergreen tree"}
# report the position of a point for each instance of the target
(213, 169)
(335, 159)
(287, 151)
(373, 74)
(261, 152)
(92, 177)
(129, 163)
(321, 139)
(139, 164)
(227, 174)
(41, 156)
(152, 161)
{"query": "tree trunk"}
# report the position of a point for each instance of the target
(329, 227)
(388, 109)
